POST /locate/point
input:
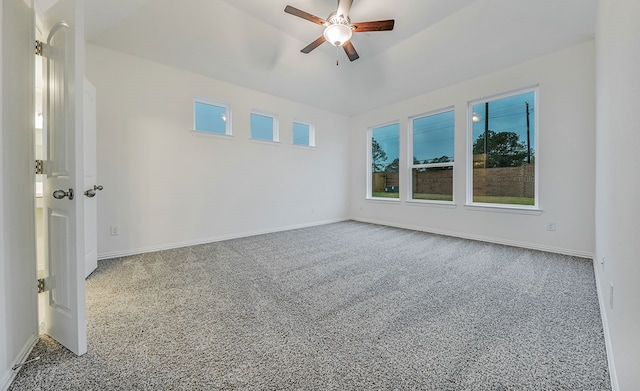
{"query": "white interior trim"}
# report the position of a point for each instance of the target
(7, 377)
(488, 239)
(142, 250)
(605, 326)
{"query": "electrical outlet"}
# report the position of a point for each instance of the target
(551, 226)
(114, 230)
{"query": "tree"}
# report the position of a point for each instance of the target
(441, 159)
(378, 156)
(394, 166)
(504, 149)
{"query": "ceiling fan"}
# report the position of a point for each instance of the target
(338, 28)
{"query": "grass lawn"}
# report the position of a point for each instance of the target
(433, 197)
(447, 197)
(384, 194)
(504, 200)
(418, 196)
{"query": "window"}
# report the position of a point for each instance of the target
(303, 134)
(211, 117)
(503, 150)
(384, 162)
(264, 126)
(431, 143)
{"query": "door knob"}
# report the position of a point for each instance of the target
(60, 194)
(92, 192)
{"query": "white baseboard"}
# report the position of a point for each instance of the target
(605, 326)
(169, 246)
(10, 374)
(532, 246)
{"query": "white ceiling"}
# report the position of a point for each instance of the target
(255, 44)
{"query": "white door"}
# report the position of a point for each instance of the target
(63, 54)
(90, 180)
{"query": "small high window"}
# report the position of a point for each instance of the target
(303, 134)
(264, 126)
(211, 117)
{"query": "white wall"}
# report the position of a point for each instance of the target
(618, 184)
(165, 187)
(565, 156)
(18, 325)
(4, 357)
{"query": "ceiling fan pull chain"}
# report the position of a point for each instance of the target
(337, 54)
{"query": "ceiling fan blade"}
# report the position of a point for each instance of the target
(351, 51)
(378, 25)
(313, 45)
(343, 7)
(304, 15)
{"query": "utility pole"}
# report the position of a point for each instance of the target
(528, 135)
(486, 133)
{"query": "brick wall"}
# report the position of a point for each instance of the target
(505, 181)
(433, 181)
(500, 181)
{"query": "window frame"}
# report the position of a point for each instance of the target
(518, 208)
(369, 144)
(312, 133)
(275, 126)
(410, 155)
(213, 102)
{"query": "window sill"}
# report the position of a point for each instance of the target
(438, 204)
(501, 208)
(265, 142)
(220, 136)
(383, 200)
(312, 147)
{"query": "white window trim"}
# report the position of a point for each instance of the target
(370, 162)
(312, 133)
(275, 123)
(212, 102)
(513, 208)
(411, 166)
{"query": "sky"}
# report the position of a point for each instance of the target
(508, 115)
(300, 134)
(209, 118)
(434, 134)
(261, 127)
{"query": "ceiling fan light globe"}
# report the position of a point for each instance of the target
(337, 34)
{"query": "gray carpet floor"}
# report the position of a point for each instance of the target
(346, 306)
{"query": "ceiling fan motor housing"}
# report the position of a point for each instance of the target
(338, 29)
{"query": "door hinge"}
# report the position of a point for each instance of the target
(39, 166)
(39, 45)
(41, 288)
